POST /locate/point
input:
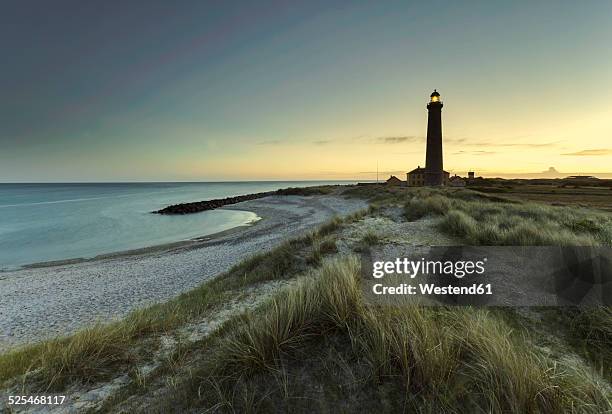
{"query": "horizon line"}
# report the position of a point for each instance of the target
(294, 181)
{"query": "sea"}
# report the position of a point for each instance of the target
(50, 222)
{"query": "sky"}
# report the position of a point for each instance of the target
(206, 91)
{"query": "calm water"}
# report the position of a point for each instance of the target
(42, 222)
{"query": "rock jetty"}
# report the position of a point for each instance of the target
(197, 206)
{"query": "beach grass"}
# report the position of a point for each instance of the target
(480, 219)
(371, 238)
(447, 358)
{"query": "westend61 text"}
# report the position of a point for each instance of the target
(432, 289)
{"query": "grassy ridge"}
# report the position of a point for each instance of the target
(448, 358)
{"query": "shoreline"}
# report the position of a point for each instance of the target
(56, 299)
(192, 243)
(180, 209)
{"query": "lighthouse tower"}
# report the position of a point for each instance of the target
(434, 171)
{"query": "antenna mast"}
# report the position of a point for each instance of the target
(376, 171)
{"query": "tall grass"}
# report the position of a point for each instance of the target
(513, 378)
(299, 313)
(481, 220)
(321, 248)
(589, 331)
(452, 359)
(370, 238)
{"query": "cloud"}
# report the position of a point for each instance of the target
(543, 145)
(591, 152)
(382, 173)
(464, 141)
(270, 142)
(455, 140)
(398, 140)
(467, 142)
(322, 142)
(474, 152)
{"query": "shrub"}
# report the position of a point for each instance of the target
(330, 227)
(321, 248)
(370, 238)
(431, 205)
(458, 223)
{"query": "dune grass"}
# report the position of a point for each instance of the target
(371, 238)
(449, 359)
(321, 248)
(588, 331)
(481, 219)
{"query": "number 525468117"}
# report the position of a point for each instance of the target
(36, 399)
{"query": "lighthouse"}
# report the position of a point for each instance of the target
(434, 170)
(433, 173)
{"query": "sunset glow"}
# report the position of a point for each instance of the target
(324, 91)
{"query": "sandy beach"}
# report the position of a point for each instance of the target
(43, 302)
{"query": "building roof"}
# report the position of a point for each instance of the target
(393, 178)
(435, 93)
(422, 170)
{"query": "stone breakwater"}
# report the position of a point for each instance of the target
(197, 206)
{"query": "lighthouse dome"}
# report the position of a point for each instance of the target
(435, 97)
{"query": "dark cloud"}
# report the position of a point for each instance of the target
(455, 140)
(398, 140)
(591, 152)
